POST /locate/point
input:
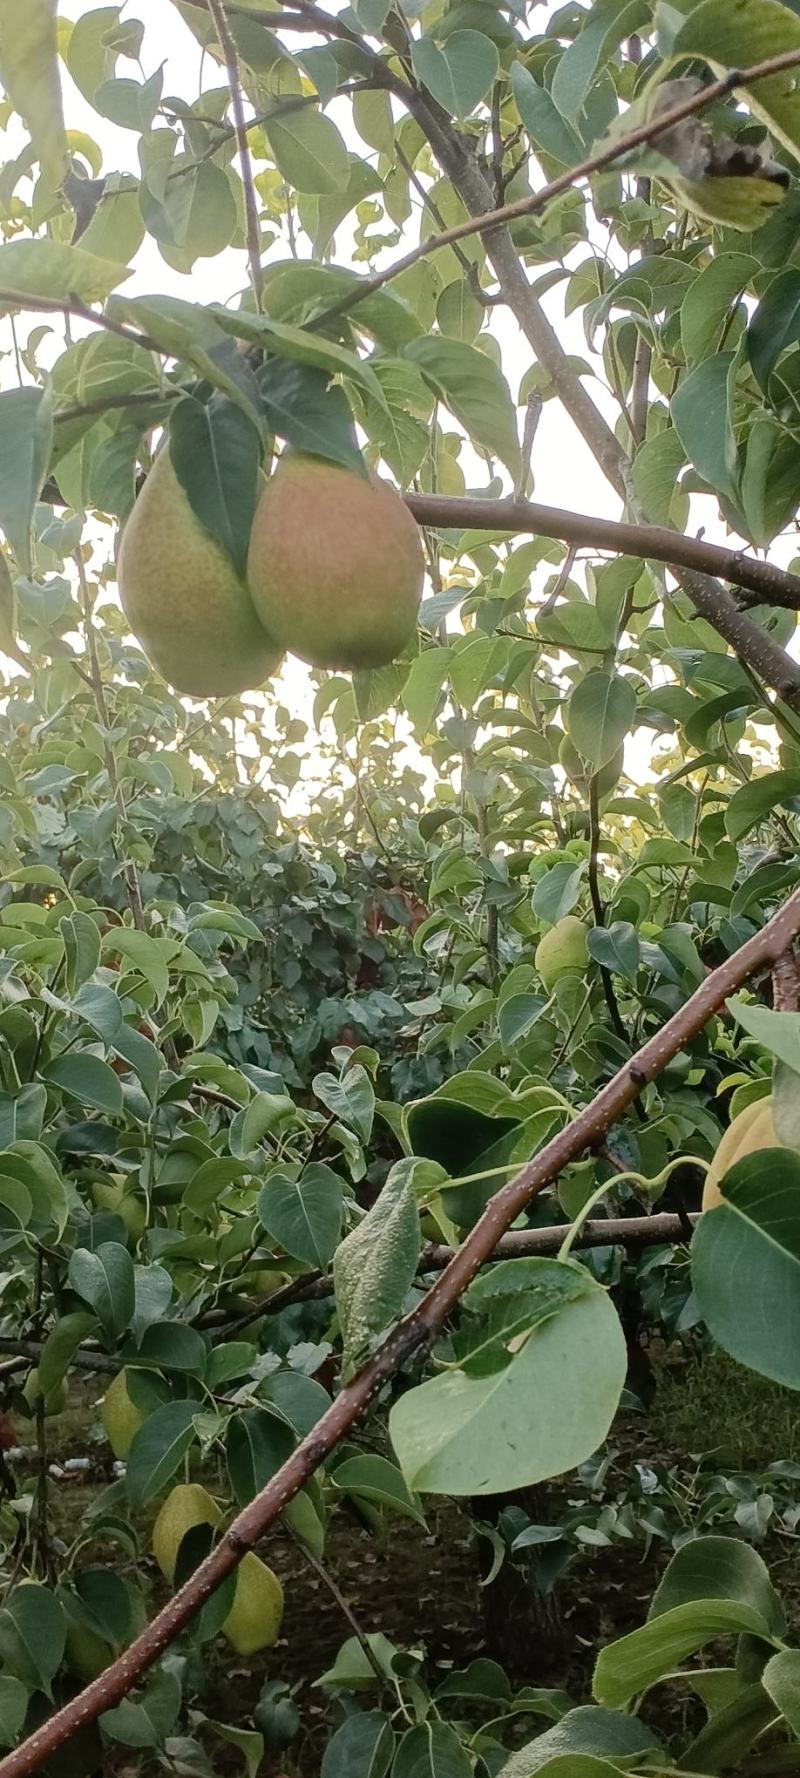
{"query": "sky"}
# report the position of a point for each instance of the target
(565, 473)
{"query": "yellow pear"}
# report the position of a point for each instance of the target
(130, 1206)
(335, 566)
(120, 1416)
(562, 951)
(184, 599)
(254, 1620)
(56, 1399)
(188, 1505)
(754, 1128)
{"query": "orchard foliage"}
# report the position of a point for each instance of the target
(276, 1011)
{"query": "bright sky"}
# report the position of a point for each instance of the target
(565, 472)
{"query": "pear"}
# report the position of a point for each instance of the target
(562, 951)
(114, 1194)
(183, 598)
(187, 1506)
(120, 1416)
(86, 1653)
(335, 565)
(754, 1128)
(254, 1619)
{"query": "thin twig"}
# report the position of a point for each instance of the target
(130, 873)
(241, 126)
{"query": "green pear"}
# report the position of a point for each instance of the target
(187, 1506)
(120, 1416)
(335, 565)
(562, 951)
(115, 1194)
(183, 598)
(254, 1619)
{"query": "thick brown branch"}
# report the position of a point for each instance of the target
(775, 586)
(413, 1335)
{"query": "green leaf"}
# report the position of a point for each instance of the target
(88, 1079)
(258, 1444)
(542, 119)
(781, 1679)
(606, 24)
(33, 1632)
(48, 268)
(167, 1345)
(146, 1721)
(709, 299)
(558, 1368)
(187, 331)
(158, 1449)
(460, 74)
(570, 1745)
(615, 947)
(215, 452)
(302, 406)
(714, 1586)
(746, 1265)
(423, 687)
(374, 1267)
(13, 1709)
(600, 713)
(105, 1280)
(431, 1750)
(557, 892)
(300, 347)
(775, 325)
(656, 468)
(755, 801)
(779, 1032)
(81, 936)
(377, 1480)
(26, 436)
(363, 1746)
(474, 390)
(143, 953)
(61, 1344)
(740, 35)
(309, 151)
(29, 72)
(352, 1098)
(305, 1214)
(701, 417)
(517, 1017)
(251, 1124)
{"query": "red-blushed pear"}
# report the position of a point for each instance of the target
(183, 598)
(335, 566)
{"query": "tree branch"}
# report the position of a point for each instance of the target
(240, 124)
(774, 586)
(490, 218)
(412, 1336)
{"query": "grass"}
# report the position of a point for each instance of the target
(710, 1406)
